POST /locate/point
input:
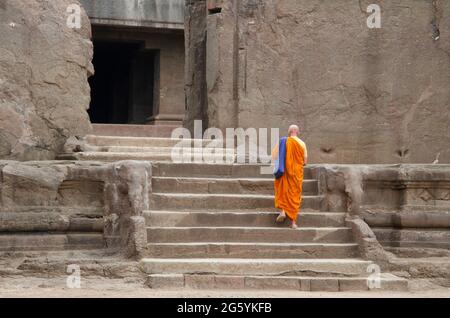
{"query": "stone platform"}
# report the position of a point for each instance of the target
(212, 225)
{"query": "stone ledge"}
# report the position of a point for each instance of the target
(314, 284)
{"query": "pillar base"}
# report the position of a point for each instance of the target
(162, 119)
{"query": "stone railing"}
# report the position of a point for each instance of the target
(386, 196)
(343, 189)
(66, 194)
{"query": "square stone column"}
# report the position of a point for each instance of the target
(169, 102)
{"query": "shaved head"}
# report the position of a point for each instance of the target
(293, 130)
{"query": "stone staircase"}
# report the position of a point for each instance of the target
(116, 148)
(213, 226)
(157, 131)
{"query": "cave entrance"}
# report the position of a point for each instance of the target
(125, 81)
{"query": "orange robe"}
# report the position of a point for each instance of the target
(288, 188)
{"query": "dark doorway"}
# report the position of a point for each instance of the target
(122, 89)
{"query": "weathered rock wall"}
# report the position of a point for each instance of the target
(147, 13)
(360, 95)
(44, 66)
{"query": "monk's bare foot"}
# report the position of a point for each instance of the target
(294, 226)
(281, 218)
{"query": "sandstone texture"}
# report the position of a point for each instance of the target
(213, 227)
(195, 66)
(399, 206)
(44, 66)
(360, 95)
(50, 205)
(42, 286)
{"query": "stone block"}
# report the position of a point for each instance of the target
(199, 281)
(274, 283)
(165, 281)
(326, 284)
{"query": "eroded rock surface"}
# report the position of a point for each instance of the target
(360, 95)
(44, 66)
(61, 205)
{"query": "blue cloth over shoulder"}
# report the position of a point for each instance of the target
(280, 162)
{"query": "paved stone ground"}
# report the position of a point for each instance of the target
(31, 287)
(37, 274)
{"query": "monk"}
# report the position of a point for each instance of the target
(288, 187)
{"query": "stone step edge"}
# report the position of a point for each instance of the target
(336, 267)
(49, 233)
(328, 228)
(398, 230)
(63, 210)
(226, 195)
(243, 212)
(158, 149)
(21, 241)
(168, 154)
(122, 138)
(54, 248)
(255, 243)
(339, 261)
(241, 260)
(299, 283)
(226, 179)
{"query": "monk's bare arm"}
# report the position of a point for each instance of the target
(306, 155)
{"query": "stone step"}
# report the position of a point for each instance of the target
(167, 169)
(413, 237)
(251, 250)
(419, 252)
(144, 156)
(115, 141)
(50, 241)
(189, 201)
(223, 185)
(266, 267)
(161, 131)
(179, 152)
(91, 211)
(387, 282)
(429, 244)
(239, 218)
(248, 235)
(408, 219)
(51, 222)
